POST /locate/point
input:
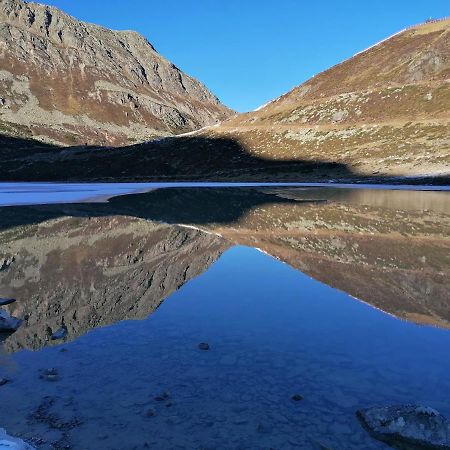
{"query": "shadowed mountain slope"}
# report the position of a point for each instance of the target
(214, 157)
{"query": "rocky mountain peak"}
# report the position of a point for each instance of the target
(69, 81)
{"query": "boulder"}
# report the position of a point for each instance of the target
(8, 323)
(10, 443)
(407, 427)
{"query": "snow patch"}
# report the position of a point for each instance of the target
(270, 102)
(380, 42)
(263, 106)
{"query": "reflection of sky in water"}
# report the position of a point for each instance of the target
(273, 332)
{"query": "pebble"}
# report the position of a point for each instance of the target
(203, 346)
(297, 397)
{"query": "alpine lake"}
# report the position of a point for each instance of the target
(196, 316)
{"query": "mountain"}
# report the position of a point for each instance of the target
(384, 111)
(384, 114)
(69, 82)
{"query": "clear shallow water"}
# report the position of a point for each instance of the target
(261, 320)
(273, 331)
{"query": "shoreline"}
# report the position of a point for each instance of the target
(22, 193)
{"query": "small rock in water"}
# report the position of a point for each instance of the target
(150, 413)
(203, 346)
(11, 443)
(8, 323)
(164, 396)
(3, 381)
(6, 301)
(59, 334)
(407, 426)
(50, 375)
(297, 397)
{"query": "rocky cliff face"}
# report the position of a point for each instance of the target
(66, 81)
(384, 111)
(83, 273)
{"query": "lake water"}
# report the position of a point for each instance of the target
(338, 295)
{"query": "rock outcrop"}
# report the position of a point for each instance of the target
(70, 82)
(407, 427)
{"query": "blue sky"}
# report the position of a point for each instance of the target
(251, 51)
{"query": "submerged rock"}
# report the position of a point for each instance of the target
(163, 397)
(8, 323)
(203, 346)
(6, 301)
(407, 427)
(297, 398)
(10, 443)
(4, 381)
(59, 334)
(50, 375)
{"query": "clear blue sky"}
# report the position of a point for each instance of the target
(251, 51)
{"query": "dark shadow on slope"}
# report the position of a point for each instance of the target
(185, 158)
(174, 206)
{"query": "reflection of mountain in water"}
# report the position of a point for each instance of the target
(397, 259)
(404, 200)
(86, 273)
(106, 264)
